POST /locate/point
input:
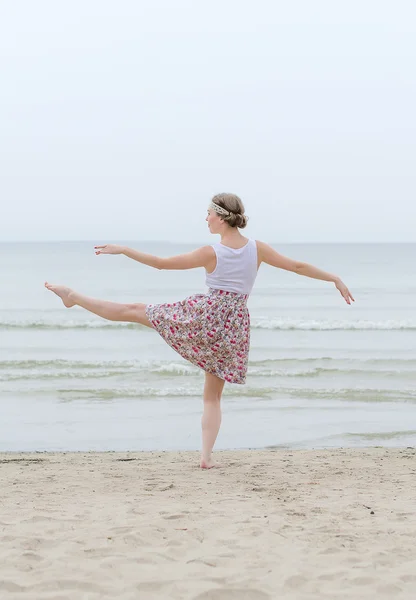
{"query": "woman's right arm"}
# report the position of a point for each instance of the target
(273, 258)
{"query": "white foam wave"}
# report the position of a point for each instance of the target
(326, 325)
(257, 323)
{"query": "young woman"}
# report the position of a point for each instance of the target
(210, 330)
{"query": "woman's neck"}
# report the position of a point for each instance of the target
(231, 238)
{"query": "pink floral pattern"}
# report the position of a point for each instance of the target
(210, 330)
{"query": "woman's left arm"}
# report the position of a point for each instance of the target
(201, 257)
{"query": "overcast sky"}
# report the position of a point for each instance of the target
(120, 119)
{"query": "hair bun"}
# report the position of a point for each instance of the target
(241, 221)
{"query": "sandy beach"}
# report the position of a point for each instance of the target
(152, 525)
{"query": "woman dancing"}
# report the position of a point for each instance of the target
(210, 330)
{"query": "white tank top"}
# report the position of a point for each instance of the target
(236, 269)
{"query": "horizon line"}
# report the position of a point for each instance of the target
(65, 241)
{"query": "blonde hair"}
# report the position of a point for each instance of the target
(235, 206)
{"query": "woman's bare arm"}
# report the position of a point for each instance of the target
(201, 257)
(273, 258)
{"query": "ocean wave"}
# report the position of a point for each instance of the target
(331, 362)
(159, 366)
(67, 364)
(326, 325)
(305, 395)
(42, 324)
(353, 439)
(382, 435)
(320, 371)
(283, 324)
(59, 369)
(350, 394)
(150, 392)
(253, 392)
(39, 376)
(14, 370)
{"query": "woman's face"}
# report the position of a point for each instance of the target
(215, 223)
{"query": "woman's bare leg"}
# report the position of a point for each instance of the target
(211, 418)
(113, 311)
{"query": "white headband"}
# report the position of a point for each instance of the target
(218, 209)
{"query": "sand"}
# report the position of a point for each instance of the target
(152, 525)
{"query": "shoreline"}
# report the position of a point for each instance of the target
(293, 524)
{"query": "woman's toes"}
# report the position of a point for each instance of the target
(63, 292)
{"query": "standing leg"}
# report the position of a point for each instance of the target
(113, 311)
(211, 418)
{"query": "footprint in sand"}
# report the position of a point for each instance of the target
(10, 586)
(390, 590)
(295, 581)
(232, 594)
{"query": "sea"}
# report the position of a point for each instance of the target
(321, 374)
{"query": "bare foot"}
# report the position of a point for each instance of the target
(208, 464)
(61, 291)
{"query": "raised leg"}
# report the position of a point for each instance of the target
(113, 311)
(211, 418)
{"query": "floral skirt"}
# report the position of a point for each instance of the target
(210, 330)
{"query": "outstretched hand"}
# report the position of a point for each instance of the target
(108, 249)
(344, 291)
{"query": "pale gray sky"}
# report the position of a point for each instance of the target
(120, 119)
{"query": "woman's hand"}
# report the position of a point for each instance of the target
(344, 291)
(109, 249)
